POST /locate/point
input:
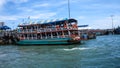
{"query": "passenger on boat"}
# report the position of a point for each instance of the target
(57, 27)
(22, 38)
(65, 25)
(74, 26)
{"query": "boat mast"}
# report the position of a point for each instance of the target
(69, 8)
(69, 15)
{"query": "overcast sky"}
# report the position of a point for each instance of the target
(95, 13)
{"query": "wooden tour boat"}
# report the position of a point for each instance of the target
(58, 32)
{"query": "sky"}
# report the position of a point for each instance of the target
(98, 14)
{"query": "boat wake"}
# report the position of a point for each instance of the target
(76, 49)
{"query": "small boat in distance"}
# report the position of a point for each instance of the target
(52, 32)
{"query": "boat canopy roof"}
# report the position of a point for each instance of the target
(49, 22)
(83, 26)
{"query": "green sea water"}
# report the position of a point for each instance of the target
(102, 52)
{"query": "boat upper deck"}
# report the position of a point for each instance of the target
(55, 26)
(48, 22)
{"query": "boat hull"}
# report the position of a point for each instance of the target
(54, 41)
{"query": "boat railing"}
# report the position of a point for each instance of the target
(55, 37)
(45, 37)
(38, 30)
(44, 30)
(66, 35)
(31, 38)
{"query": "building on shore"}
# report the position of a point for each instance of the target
(4, 30)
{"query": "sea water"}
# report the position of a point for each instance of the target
(102, 52)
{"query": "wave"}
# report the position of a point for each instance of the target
(3, 55)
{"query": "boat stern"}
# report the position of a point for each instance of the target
(74, 40)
